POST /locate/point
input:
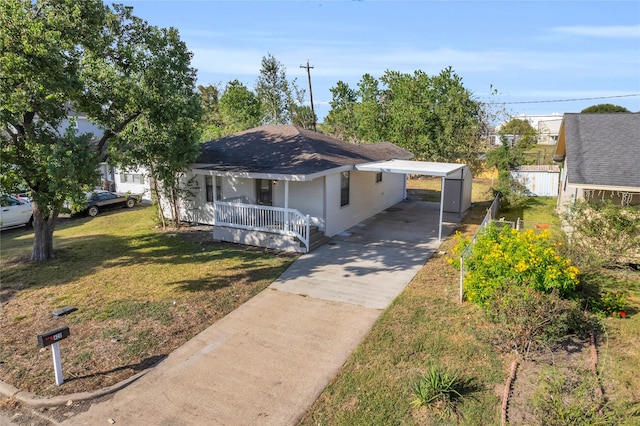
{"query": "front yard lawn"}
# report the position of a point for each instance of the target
(427, 327)
(140, 293)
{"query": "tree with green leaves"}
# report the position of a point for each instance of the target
(281, 100)
(340, 120)
(600, 108)
(434, 117)
(520, 131)
(131, 79)
(211, 117)
(504, 159)
(239, 108)
(274, 91)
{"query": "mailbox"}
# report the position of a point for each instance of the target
(53, 336)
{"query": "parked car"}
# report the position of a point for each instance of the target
(23, 194)
(99, 200)
(14, 212)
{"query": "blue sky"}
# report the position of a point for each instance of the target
(530, 51)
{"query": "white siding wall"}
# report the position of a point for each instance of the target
(199, 210)
(366, 198)
(238, 187)
(306, 197)
(83, 126)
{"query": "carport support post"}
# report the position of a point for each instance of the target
(441, 209)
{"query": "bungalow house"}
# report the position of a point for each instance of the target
(600, 154)
(284, 187)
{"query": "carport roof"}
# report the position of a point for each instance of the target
(411, 167)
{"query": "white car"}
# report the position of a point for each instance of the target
(14, 212)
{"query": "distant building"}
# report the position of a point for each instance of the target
(547, 127)
(135, 181)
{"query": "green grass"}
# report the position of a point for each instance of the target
(536, 213)
(426, 326)
(428, 189)
(123, 257)
(540, 154)
(140, 293)
(619, 349)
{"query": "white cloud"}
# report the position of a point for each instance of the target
(614, 31)
(341, 63)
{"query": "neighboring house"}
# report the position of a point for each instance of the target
(600, 155)
(540, 181)
(282, 186)
(549, 130)
(547, 127)
(135, 181)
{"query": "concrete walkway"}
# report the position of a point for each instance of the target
(268, 361)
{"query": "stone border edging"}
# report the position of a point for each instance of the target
(594, 370)
(35, 401)
(507, 391)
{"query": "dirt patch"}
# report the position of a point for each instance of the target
(571, 357)
(45, 416)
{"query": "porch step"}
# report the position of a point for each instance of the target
(316, 238)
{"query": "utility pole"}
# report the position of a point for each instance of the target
(310, 93)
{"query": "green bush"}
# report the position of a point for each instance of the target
(598, 299)
(603, 234)
(505, 256)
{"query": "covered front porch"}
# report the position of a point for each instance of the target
(282, 212)
(279, 228)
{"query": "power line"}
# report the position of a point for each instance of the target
(568, 100)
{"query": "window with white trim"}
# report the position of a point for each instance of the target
(131, 178)
(209, 188)
(344, 188)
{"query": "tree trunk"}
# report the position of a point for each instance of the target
(156, 194)
(175, 213)
(43, 234)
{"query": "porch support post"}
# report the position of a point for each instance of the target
(215, 196)
(286, 205)
(441, 208)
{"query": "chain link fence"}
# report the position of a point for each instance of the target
(492, 213)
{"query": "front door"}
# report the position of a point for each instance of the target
(264, 192)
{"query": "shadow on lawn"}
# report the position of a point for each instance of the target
(81, 256)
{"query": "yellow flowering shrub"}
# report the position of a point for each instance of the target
(525, 258)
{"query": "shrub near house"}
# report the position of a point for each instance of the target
(507, 257)
(523, 285)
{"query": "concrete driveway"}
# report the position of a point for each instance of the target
(268, 361)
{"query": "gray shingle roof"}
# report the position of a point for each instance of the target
(603, 149)
(284, 149)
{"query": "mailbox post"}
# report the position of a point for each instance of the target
(52, 338)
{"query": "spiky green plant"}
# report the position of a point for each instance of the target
(438, 388)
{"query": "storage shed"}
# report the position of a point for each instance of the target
(457, 191)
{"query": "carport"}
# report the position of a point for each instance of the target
(425, 168)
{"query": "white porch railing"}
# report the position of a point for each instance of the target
(276, 220)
